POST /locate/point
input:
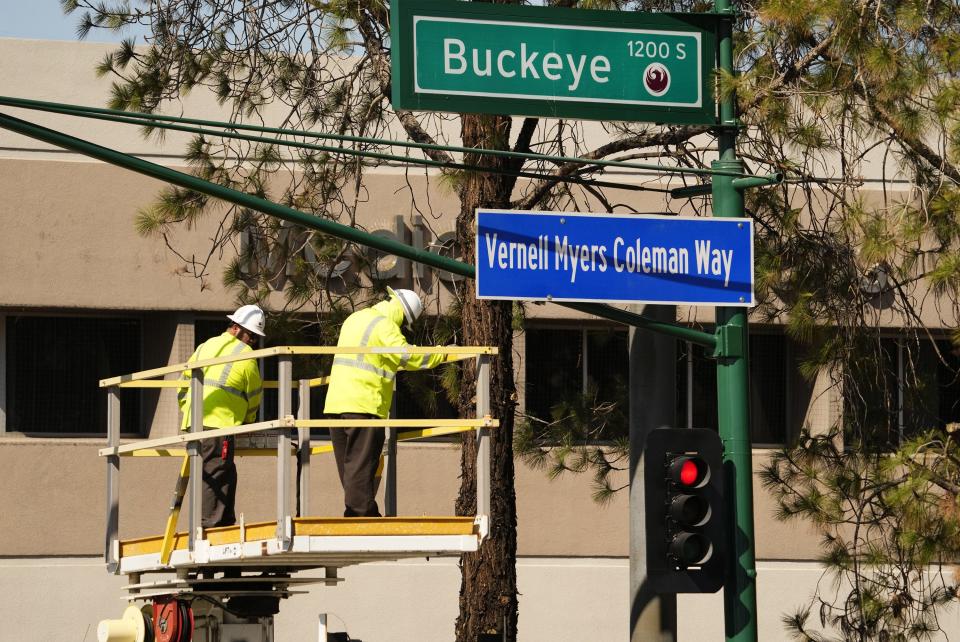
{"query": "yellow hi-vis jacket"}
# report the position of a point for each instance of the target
(363, 383)
(231, 391)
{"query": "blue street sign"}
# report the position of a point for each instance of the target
(551, 256)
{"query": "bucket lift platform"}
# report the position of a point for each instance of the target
(272, 559)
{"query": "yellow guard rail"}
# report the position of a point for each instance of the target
(186, 444)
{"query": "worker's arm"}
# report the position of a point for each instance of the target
(394, 338)
(254, 390)
(183, 394)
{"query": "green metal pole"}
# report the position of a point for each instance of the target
(312, 222)
(733, 409)
(733, 418)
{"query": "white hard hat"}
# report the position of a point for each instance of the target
(249, 317)
(410, 302)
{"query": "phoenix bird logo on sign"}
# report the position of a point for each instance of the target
(656, 79)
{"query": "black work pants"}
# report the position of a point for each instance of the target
(357, 451)
(219, 482)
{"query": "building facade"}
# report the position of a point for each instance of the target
(84, 297)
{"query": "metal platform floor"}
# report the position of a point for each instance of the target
(316, 542)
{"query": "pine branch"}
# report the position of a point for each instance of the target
(883, 114)
(791, 73)
(904, 137)
(527, 130)
(381, 66)
(669, 137)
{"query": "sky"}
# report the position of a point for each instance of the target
(43, 20)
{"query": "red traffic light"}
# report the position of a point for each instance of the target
(686, 525)
(688, 471)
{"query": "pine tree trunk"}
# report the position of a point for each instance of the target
(488, 589)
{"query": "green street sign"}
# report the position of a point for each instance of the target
(544, 61)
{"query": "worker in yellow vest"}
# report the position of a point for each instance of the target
(361, 387)
(231, 396)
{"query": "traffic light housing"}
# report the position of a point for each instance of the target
(685, 515)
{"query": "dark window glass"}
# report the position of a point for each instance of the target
(931, 387)
(608, 376)
(204, 329)
(948, 382)
(704, 395)
(295, 333)
(420, 395)
(304, 367)
(871, 417)
(608, 364)
(770, 364)
(924, 373)
(554, 368)
(768, 388)
(54, 365)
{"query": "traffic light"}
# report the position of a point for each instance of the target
(683, 494)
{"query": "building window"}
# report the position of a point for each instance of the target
(772, 369)
(563, 364)
(567, 365)
(53, 369)
(936, 401)
(696, 387)
(770, 372)
(895, 389)
(204, 329)
(421, 395)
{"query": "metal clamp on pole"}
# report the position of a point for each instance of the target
(705, 189)
(729, 343)
(757, 181)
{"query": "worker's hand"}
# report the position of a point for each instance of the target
(450, 358)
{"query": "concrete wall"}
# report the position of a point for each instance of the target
(73, 227)
(561, 600)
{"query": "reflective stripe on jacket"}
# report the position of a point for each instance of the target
(363, 383)
(231, 391)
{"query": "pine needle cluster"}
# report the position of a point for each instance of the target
(890, 534)
(582, 434)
